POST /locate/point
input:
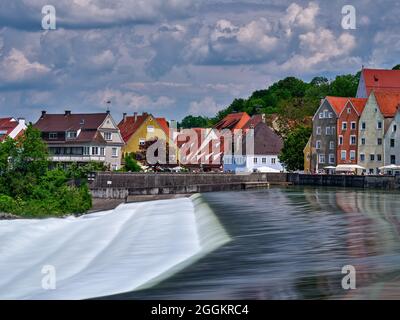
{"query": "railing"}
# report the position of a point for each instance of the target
(76, 158)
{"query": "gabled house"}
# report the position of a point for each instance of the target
(392, 141)
(263, 155)
(82, 138)
(308, 151)
(378, 79)
(347, 131)
(11, 127)
(374, 124)
(138, 129)
(324, 137)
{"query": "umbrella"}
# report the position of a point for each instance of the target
(267, 169)
(390, 167)
(330, 167)
(348, 167)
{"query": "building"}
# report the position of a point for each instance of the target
(377, 79)
(265, 153)
(12, 128)
(347, 131)
(324, 137)
(307, 151)
(82, 138)
(392, 141)
(138, 129)
(374, 123)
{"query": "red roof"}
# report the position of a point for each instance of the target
(377, 79)
(130, 124)
(7, 125)
(337, 103)
(72, 121)
(233, 121)
(359, 104)
(388, 102)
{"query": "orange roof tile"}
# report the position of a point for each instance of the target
(359, 104)
(388, 102)
(376, 79)
(337, 103)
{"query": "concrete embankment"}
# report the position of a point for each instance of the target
(132, 185)
(124, 185)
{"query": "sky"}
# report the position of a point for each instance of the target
(173, 58)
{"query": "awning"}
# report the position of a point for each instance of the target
(390, 167)
(267, 170)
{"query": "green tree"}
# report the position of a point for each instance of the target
(292, 153)
(397, 67)
(194, 122)
(131, 165)
(344, 86)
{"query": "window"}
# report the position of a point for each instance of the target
(321, 115)
(362, 157)
(343, 155)
(352, 155)
(102, 152)
(363, 141)
(255, 160)
(318, 144)
(378, 157)
(331, 158)
(325, 113)
(71, 134)
(273, 160)
(86, 151)
(379, 141)
(95, 151)
(344, 125)
(363, 125)
(392, 143)
(264, 160)
(353, 125)
(353, 140)
(142, 142)
(227, 160)
(340, 140)
(348, 110)
(379, 125)
(150, 129)
(108, 136)
(372, 157)
(330, 115)
(331, 145)
(328, 131)
(53, 135)
(321, 158)
(333, 130)
(114, 152)
(392, 159)
(318, 130)
(394, 128)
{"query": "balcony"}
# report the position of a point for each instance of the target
(76, 158)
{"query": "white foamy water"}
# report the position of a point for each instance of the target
(132, 247)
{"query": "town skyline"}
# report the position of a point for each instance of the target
(179, 58)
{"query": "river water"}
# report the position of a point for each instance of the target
(291, 243)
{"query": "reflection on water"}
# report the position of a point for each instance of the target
(292, 244)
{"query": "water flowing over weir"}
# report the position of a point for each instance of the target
(134, 246)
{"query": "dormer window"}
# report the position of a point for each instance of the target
(53, 135)
(107, 136)
(71, 134)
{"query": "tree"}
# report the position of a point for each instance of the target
(344, 86)
(292, 153)
(397, 67)
(131, 164)
(194, 122)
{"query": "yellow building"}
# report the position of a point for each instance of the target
(307, 157)
(138, 129)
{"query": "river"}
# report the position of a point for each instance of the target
(291, 243)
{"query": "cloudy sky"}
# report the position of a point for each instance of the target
(179, 57)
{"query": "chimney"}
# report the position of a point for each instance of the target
(108, 111)
(67, 112)
(264, 118)
(135, 116)
(21, 121)
(124, 116)
(44, 113)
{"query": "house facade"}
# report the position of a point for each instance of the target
(392, 141)
(138, 129)
(374, 123)
(347, 131)
(82, 138)
(324, 137)
(11, 127)
(307, 157)
(264, 155)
